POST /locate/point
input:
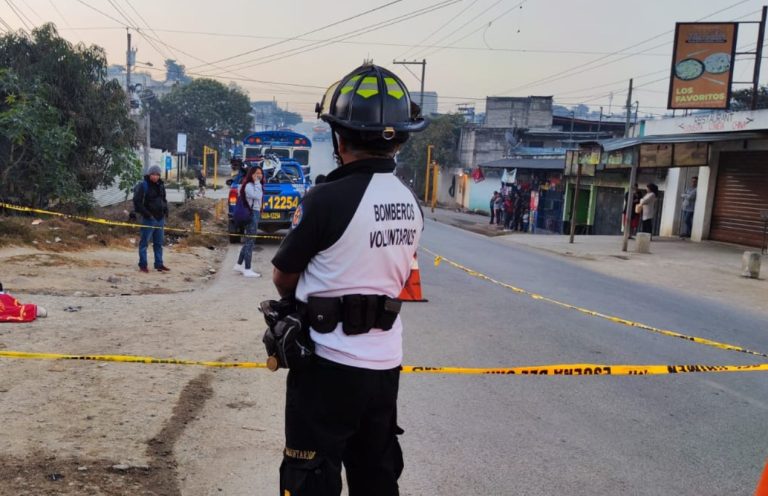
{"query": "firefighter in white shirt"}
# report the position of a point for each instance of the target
(345, 261)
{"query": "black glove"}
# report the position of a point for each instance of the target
(287, 336)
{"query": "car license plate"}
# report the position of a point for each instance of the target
(270, 215)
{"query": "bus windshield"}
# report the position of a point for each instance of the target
(301, 156)
(280, 152)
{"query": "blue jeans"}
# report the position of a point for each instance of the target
(148, 232)
(246, 252)
(687, 222)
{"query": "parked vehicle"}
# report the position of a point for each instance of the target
(284, 155)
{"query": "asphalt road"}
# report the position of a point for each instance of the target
(693, 434)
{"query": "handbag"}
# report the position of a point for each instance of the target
(638, 208)
(243, 213)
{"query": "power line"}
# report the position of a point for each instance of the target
(29, 7)
(21, 18)
(484, 26)
(135, 25)
(440, 28)
(580, 66)
(335, 23)
(377, 43)
(8, 27)
(147, 24)
(416, 55)
(330, 41)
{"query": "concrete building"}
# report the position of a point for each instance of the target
(430, 101)
(514, 112)
(727, 151)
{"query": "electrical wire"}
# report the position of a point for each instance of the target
(484, 26)
(368, 29)
(132, 23)
(335, 23)
(21, 18)
(377, 43)
(8, 27)
(147, 25)
(29, 7)
(555, 76)
(494, 4)
(439, 28)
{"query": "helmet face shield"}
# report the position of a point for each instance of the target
(322, 107)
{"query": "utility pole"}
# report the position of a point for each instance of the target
(128, 54)
(423, 65)
(758, 58)
(632, 179)
(146, 142)
(629, 110)
(426, 180)
(600, 122)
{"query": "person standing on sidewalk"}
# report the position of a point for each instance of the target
(252, 191)
(689, 205)
(498, 206)
(648, 203)
(149, 201)
(492, 206)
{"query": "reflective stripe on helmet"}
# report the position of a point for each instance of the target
(349, 85)
(393, 88)
(369, 87)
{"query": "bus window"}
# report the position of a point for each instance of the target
(252, 153)
(301, 156)
(280, 152)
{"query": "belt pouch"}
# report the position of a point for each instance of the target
(323, 313)
(389, 308)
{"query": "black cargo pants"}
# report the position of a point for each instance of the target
(333, 414)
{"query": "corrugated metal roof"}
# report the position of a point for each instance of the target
(621, 143)
(526, 163)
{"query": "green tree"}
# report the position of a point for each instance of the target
(44, 69)
(443, 133)
(742, 99)
(33, 147)
(205, 110)
(176, 72)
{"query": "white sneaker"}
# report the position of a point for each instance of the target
(239, 268)
(42, 312)
(250, 273)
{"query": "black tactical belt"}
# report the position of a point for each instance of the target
(357, 313)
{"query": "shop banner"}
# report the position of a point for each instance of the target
(702, 65)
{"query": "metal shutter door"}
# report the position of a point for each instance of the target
(741, 193)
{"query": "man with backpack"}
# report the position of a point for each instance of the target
(149, 201)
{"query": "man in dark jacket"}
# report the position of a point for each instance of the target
(149, 202)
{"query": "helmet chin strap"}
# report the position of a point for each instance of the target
(336, 154)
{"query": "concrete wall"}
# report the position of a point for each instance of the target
(532, 111)
(445, 179)
(479, 194)
(480, 145)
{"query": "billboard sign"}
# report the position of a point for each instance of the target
(702, 65)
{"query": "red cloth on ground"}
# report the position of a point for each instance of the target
(13, 311)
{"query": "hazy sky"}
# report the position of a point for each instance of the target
(580, 51)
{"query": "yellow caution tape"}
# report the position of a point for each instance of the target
(578, 369)
(593, 313)
(128, 359)
(96, 220)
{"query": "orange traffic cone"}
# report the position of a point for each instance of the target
(762, 486)
(412, 289)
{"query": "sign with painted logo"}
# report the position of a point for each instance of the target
(702, 65)
(168, 163)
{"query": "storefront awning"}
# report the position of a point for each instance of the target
(526, 163)
(622, 143)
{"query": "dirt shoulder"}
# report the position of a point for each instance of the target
(74, 427)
